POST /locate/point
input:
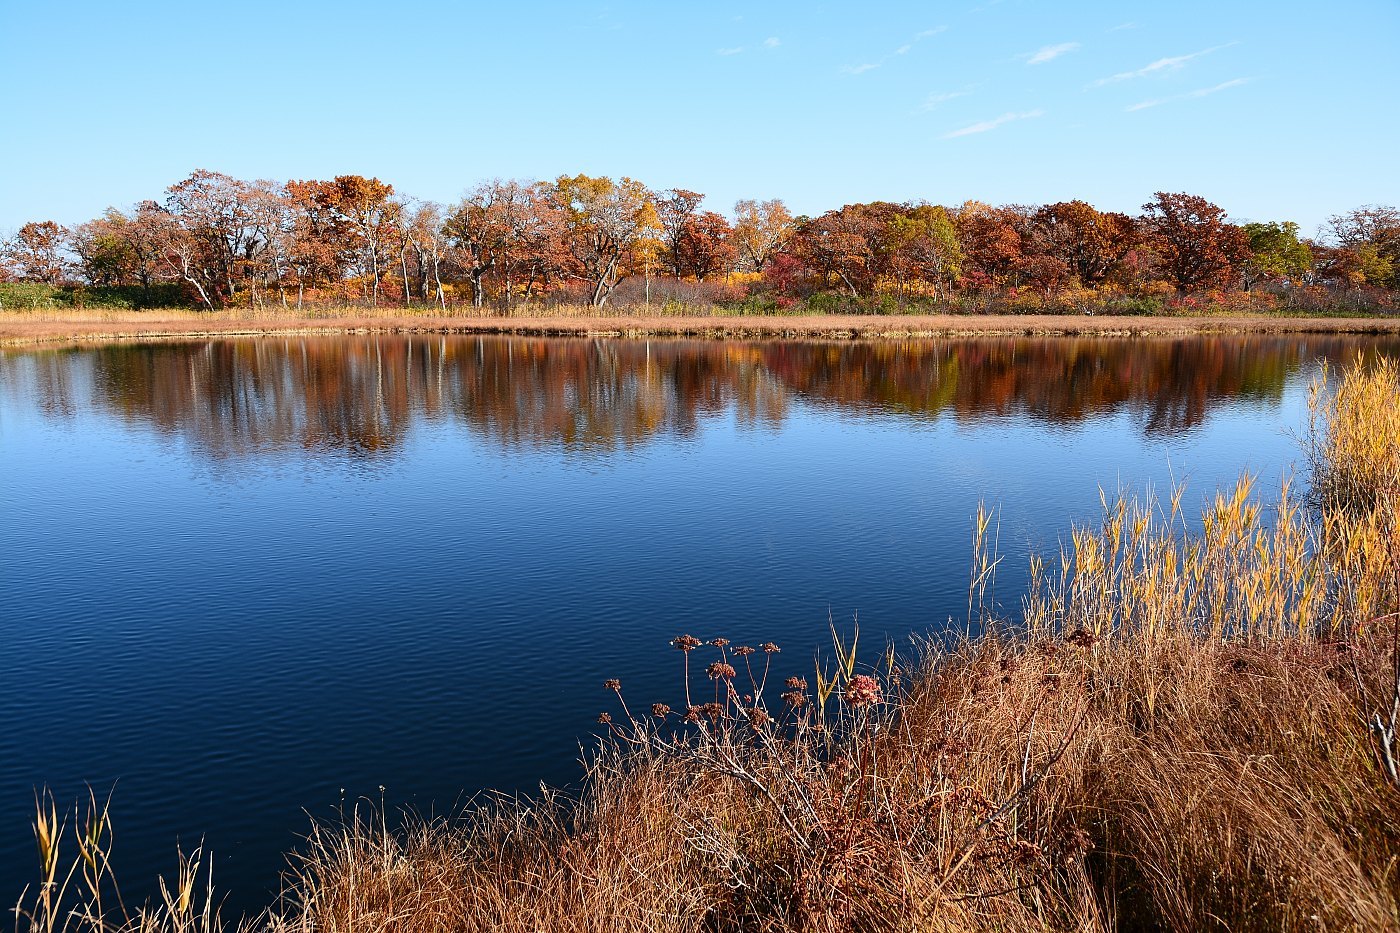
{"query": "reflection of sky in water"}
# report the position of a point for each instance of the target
(238, 588)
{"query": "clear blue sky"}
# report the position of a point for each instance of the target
(1284, 110)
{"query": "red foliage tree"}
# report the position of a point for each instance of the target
(1194, 245)
(36, 252)
(706, 246)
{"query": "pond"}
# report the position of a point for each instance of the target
(245, 580)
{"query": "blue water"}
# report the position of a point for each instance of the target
(243, 580)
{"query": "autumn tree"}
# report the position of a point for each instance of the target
(272, 217)
(923, 244)
(705, 246)
(120, 248)
(322, 249)
(1275, 252)
(602, 221)
(356, 218)
(216, 232)
(185, 257)
(423, 232)
(990, 244)
(1090, 243)
(104, 257)
(674, 210)
(368, 211)
(1372, 235)
(536, 254)
(481, 229)
(761, 228)
(36, 252)
(1193, 243)
(835, 247)
(1039, 265)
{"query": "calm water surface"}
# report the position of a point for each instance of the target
(240, 578)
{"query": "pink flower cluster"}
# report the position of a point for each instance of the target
(862, 690)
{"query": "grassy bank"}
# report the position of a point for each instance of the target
(20, 328)
(1181, 730)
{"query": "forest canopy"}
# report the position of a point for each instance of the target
(213, 241)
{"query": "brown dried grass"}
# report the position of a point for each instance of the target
(27, 327)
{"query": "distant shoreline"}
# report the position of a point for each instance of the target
(19, 329)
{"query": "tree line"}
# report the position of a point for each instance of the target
(578, 238)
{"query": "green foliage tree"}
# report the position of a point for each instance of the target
(1275, 253)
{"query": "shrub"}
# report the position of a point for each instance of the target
(36, 296)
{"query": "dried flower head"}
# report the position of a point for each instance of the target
(713, 710)
(660, 710)
(758, 716)
(1025, 853)
(692, 714)
(604, 718)
(719, 642)
(719, 670)
(743, 651)
(863, 690)
(686, 642)
(770, 648)
(612, 684)
(795, 699)
(1083, 638)
(797, 683)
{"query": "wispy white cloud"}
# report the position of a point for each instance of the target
(1122, 26)
(1160, 66)
(988, 125)
(1202, 92)
(902, 50)
(772, 42)
(1049, 53)
(934, 100)
(734, 51)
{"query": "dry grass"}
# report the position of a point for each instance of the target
(28, 327)
(1184, 730)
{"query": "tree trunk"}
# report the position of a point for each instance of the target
(437, 278)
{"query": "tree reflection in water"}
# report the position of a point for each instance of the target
(359, 396)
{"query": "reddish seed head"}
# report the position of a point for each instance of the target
(770, 648)
(795, 699)
(719, 642)
(863, 691)
(797, 683)
(604, 718)
(686, 642)
(758, 717)
(660, 710)
(743, 651)
(612, 684)
(719, 670)
(1083, 638)
(692, 714)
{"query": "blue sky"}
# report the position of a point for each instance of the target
(1284, 110)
